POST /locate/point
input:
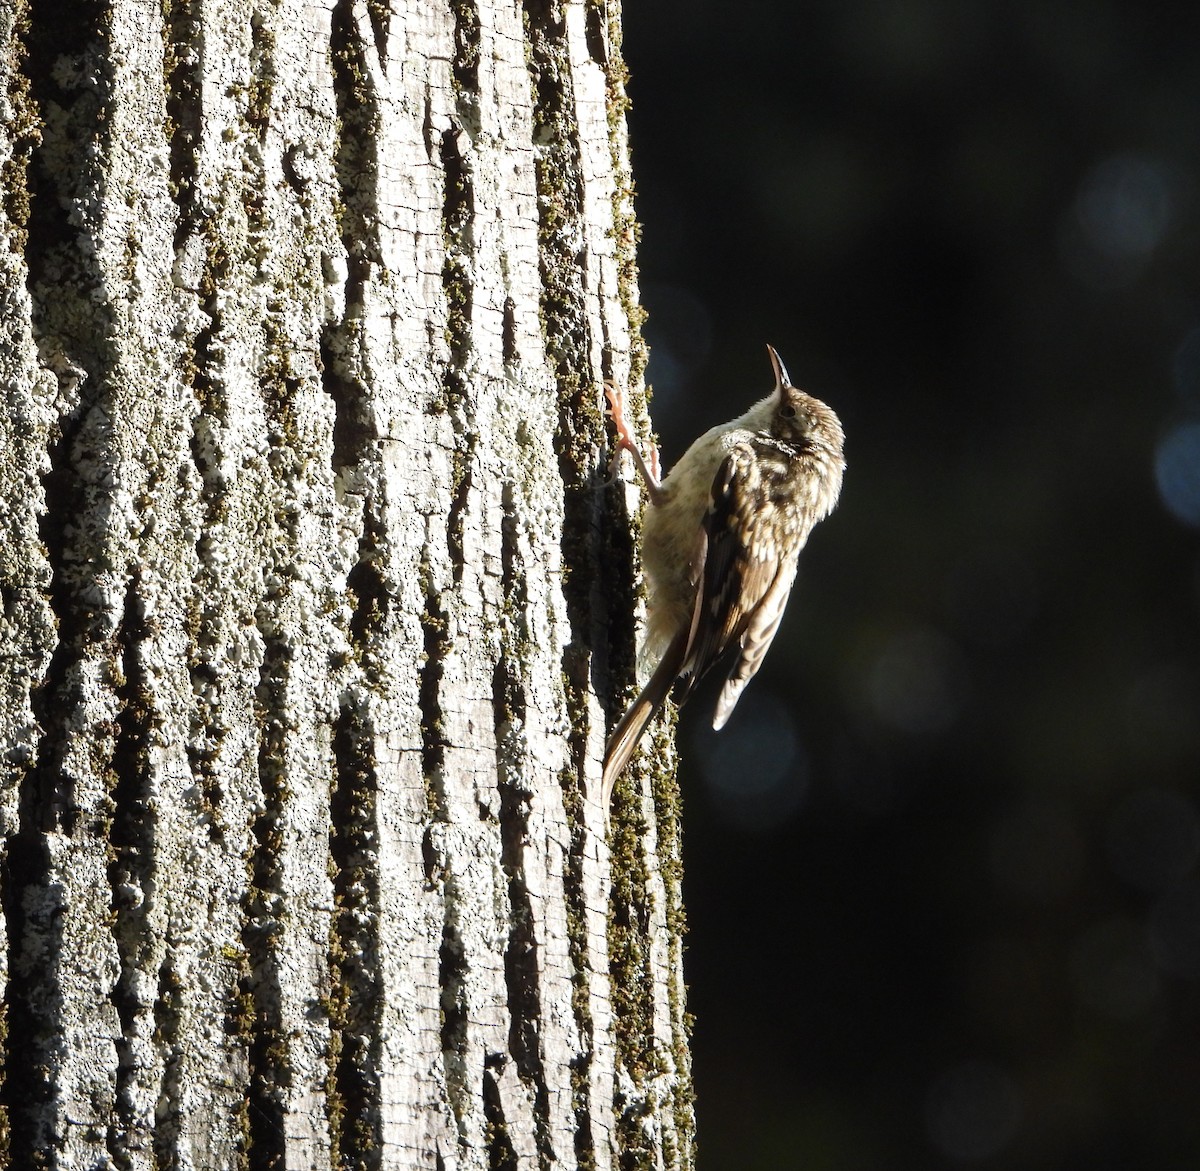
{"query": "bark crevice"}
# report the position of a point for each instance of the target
(502, 1154)
(356, 979)
(182, 83)
(170, 1106)
(268, 1072)
(131, 873)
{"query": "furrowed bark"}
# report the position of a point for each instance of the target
(314, 597)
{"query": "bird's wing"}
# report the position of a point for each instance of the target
(742, 581)
(760, 629)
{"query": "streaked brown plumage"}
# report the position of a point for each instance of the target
(720, 545)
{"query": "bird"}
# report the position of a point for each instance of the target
(721, 540)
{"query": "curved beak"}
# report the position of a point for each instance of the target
(781, 374)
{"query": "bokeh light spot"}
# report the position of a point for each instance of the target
(972, 1111)
(1124, 206)
(757, 773)
(1120, 216)
(917, 682)
(1177, 472)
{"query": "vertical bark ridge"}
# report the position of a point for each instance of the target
(661, 851)
(647, 992)
(591, 577)
(282, 485)
(423, 1096)
(522, 959)
(26, 619)
(498, 998)
(61, 277)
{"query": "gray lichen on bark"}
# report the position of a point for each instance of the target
(309, 584)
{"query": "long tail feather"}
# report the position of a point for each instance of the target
(625, 736)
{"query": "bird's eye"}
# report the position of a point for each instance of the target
(787, 411)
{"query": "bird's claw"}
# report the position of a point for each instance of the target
(618, 413)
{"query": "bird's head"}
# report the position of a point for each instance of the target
(799, 418)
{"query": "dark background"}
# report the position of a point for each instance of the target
(941, 868)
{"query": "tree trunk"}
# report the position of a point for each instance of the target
(314, 599)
